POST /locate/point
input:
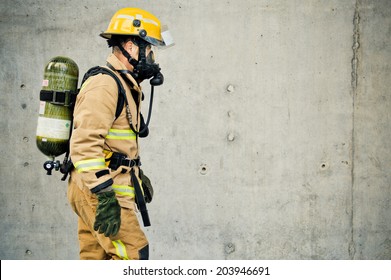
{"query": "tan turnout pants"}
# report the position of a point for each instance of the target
(130, 242)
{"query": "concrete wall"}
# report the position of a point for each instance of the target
(269, 138)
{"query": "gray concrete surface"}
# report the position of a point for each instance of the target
(270, 138)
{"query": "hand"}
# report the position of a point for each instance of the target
(108, 214)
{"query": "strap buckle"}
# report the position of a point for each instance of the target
(131, 162)
(65, 98)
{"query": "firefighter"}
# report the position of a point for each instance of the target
(103, 196)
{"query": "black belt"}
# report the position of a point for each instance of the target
(118, 159)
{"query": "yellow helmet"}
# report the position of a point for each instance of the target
(136, 22)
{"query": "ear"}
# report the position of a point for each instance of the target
(128, 45)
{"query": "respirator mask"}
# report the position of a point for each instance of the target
(145, 67)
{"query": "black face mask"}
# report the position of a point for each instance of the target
(145, 67)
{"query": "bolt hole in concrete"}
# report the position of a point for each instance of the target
(22, 86)
(203, 169)
(324, 166)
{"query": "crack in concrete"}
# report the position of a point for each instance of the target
(354, 82)
(355, 47)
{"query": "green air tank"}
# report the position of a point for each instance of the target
(59, 89)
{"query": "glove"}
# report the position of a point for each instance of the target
(147, 187)
(108, 214)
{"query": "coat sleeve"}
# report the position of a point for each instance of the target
(93, 117)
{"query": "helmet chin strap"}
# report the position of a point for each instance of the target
(131, 60)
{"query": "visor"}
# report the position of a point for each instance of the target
(167, 39)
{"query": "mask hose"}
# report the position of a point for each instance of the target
(148, 118)
(149, 111)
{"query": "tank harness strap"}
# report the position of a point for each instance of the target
(65, 98)
(121, 91)
(144, 130)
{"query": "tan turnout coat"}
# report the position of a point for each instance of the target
(96, 131)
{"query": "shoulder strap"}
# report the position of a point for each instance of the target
(122, 99)
(121, 91)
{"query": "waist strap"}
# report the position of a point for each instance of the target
(118, 159)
